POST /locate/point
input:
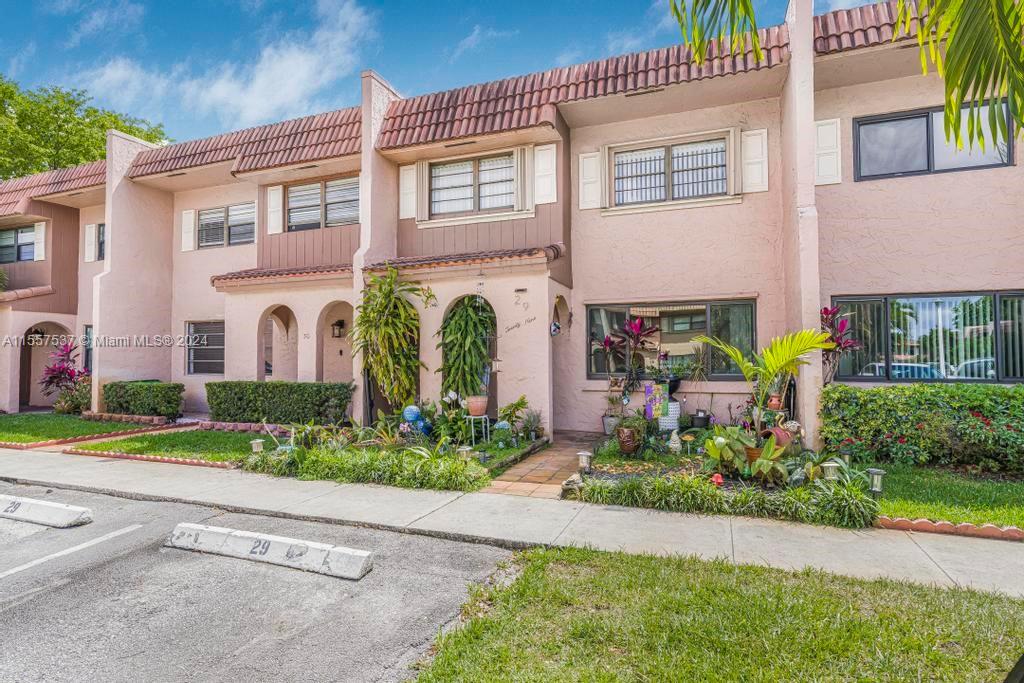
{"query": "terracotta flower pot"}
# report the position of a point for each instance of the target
(476, 405)
(774, 402)
(782, 437)
(752, 454)
(629, 441)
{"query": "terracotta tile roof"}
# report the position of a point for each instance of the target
(551, 252)
(310, 138)
(527, 101)
(850, 29)
(26, 293)
(279, 273)
(15, 192)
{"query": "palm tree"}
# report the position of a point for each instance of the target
(975, 45)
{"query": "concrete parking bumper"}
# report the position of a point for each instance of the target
(43, 512)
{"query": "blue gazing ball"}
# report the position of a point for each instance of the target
(411, 414)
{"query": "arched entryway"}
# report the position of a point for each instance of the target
(333, 349)
(471, 313)
(41, 340)
(278, 345)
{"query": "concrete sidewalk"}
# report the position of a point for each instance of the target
(514, 521)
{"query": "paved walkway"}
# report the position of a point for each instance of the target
(515, 521)
(541, 475)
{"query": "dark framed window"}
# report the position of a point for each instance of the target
(670, 172)
(914, 143)
(323, 204)
(101, 241)
(204, 345)
(969, 337)
(473, 185)
(229, 225)
(87, 348)
(678, 324)
(17, 244)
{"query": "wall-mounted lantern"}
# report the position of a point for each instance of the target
(338, 329)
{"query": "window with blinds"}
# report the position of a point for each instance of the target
(211, 228)
(671, 172)
(323, 204)
(18, 244)
(204, 344)
(227, 225)
(242, 223)
(472, 185)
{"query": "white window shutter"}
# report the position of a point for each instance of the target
(545, 180)
(828, 161)
(754, 154)
(188, 229)
(422, 190)
(90, 242)
(407, 191)
(40, 242)
(590, 180)
(275, 210)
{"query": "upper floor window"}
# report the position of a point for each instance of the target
(323, 204)
(913, 143)
(229, 225)
(473, 185)
(943, 337)
(18, 244)
(670, 172)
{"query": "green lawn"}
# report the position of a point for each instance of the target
(581, 615)
(196, 445)
(32, 427)
(936, 494)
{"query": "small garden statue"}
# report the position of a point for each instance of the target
(675, 444)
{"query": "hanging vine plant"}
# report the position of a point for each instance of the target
(387, 332)
(465, 352)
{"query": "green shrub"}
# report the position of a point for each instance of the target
(76, 398)
(843, 504)
(278, 402)
(144, 398)
(971, 424)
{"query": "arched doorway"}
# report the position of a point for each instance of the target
(469, 328)
(278, 345)
(41, 340)
(333, 348)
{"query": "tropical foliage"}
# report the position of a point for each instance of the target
(386, 332)
(974, 46)
(465, 334)
(3, 280)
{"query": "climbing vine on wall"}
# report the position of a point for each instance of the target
(465, 334)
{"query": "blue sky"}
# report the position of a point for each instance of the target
(207, 67)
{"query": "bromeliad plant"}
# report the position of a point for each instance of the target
(464, 345)
(635, 337)
(387, 332)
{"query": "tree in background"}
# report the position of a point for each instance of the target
(975, 45)
(54, 127)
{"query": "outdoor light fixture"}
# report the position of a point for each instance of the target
(464, 451)
(831, 470)
(257, 445)
(875, 481)
(585, 457)
(338, 329)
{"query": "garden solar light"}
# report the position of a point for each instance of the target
(257, 445)
(464, 451)
(875, 477)
(831, 470)
(584, 461)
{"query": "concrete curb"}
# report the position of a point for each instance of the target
(309, 556)
(991, 531)
(153, 458)
(43, 512)
(78, 439)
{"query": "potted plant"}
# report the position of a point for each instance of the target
(466, 333)
(613, 407)
(696, 370)
(476, 404)
(531, 425)
(630, 433)
(840, 334)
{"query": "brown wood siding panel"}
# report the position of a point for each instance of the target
(59, 270)
(324, 247)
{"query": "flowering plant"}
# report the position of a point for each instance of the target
(62, 373)
(840, 333)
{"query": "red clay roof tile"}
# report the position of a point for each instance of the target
(551, 252)
(307, 139)
(17, 190)
(527, 101)
(275, 273)
(850, 29)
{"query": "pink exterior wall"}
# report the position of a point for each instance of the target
(958, 231)
(193, 298)
(684, 254)
(87, 271)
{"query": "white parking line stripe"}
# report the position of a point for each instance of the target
(68, 551)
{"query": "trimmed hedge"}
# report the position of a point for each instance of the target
(148, 397)
(278, 402)
(980, 425)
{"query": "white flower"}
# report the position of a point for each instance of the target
(462, 403)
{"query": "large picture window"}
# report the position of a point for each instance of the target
(672, 345)
(205, 348)
(671, 172)
(18, 244)
(912, 143)
(473, 185)
(946, 337)
(323, 204)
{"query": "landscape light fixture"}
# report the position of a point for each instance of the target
(257, 445)
(585, 457)
(875, 481)
(831, 470)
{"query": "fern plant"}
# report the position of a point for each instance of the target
(465, 356)
(3, 280)
(386, 332)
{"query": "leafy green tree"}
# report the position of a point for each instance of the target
(52, 127)
(975, 45)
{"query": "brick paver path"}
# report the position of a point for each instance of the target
(541, 475)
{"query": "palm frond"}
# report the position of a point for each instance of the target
(726, 22)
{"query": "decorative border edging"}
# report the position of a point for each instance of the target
(153, 458)
(78, 439)
(1006, 533)
(122, 417)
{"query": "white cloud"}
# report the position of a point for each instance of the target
(657, 21)
(286, 79)
(570, 55)
(477, 36)
(18, 61)
(107, 17)
(822, 6)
